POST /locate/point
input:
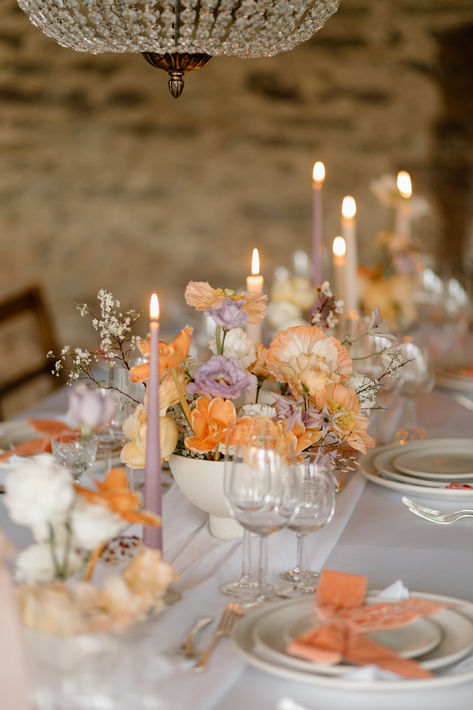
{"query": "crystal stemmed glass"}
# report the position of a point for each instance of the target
(415, 377)
(261, 491)
(75, 451)
(316, 509)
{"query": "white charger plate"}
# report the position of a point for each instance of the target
(278, 627)
(368, 470)
(246, 646)
(437, 463)
(384, 463)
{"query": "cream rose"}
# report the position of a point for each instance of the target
(35, 564)
(237, 345)
(133, 453)
(93, 524)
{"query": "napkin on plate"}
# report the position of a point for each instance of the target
(47, 428)
(340, 604)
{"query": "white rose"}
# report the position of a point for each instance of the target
(35, 564)
(38, 493)
(238, 345)
(93, 524)
(283, 314)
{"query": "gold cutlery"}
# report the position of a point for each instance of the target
(230, 614)
(186, 648)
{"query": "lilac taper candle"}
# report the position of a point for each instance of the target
(318, 177)
(153, 537)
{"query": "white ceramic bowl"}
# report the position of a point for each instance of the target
(201, 482)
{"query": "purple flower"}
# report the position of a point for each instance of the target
(90, 408)
(228, 313)
(221, 377)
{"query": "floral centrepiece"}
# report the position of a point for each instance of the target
(72, 527)
(303, 385)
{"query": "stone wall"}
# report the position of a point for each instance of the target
(107, 181)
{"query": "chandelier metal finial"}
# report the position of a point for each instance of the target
(180, 35)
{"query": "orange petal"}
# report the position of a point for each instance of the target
(140, 373)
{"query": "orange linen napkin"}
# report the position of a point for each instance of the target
(340, 598)
(40, 445)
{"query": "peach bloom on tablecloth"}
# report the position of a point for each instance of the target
(307, 359)
(352, 426)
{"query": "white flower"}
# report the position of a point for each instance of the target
(259, 410)
(35, 564)
(283, 314)
(39, 493)
(93, 524)
(325, 288)
(238, 345)
(366, 390)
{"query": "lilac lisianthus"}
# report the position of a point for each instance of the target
(221, 377)
(90, 408)
(228, 314)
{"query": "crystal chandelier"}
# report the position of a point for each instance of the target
(180, 35)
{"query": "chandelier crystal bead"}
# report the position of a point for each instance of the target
(243, 28)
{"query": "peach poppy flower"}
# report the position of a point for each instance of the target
(307, 360)
(201, 295)
(352, 426)
(114, 494)
(210, 420)
(258, 367)
(133, 453)
(170, 355)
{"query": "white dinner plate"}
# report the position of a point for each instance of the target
(385, 466)
(368, 470)
(278, 627)
(454, 381)
(243, 637)
(437, 463)
(16, 432)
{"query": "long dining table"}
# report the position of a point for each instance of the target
(372, 534)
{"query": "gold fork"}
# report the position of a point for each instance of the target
(230, 614)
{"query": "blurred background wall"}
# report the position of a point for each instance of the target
(107, 181)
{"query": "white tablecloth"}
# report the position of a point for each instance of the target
(381, 539)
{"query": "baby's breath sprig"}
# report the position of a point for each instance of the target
(116, 346)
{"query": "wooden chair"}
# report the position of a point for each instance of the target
(29, 303)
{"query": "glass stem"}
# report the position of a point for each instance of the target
(262, 566)
(299, 568)
(246, 557)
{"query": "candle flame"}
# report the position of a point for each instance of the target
(339, 246)
(154, 307)
(404, 183)
(255, 263)
(348, 207)
(318, 173)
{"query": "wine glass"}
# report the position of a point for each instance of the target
(415, 377)
(261, 492)
(316, 509)
(75, 451)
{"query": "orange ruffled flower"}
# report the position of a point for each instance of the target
(201, 295)
(307, 360)
(113, 492)
(210, 420)
(258, 367)
(170, 355)
(343, 401)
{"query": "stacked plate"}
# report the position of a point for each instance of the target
(432, 468)
(437, 643)
(461, 380)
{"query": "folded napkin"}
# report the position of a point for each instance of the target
(47, 428)
(345, 620)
